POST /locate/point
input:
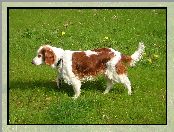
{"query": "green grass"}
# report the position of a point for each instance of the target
(33, 95)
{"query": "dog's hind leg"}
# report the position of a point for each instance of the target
(76, 86)
(109, 85)
(125, 80)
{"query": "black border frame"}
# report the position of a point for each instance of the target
(8, 8)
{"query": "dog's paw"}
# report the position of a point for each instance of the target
(74, 97)
(58, 85)
(105, 92)
(129, 93)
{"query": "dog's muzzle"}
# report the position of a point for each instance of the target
(33, 62)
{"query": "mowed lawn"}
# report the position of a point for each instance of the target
(33, 95)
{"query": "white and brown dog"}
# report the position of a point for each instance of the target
(78, 66)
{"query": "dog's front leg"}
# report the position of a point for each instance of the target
(59, 79)
(59, 82)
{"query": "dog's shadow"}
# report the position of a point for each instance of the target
(52, 86)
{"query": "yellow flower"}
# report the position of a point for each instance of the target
(149, 60)
(156, 56)
(106, 38)
(63, 33)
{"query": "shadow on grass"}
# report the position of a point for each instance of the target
(48, 85)
(40, 84)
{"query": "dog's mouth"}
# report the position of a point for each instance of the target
(36, 63)
(32, 62)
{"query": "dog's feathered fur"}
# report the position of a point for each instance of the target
(78, 66)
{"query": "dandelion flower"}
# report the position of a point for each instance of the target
(106, 38)
(63, 33)
(156, 56)
(149, 60)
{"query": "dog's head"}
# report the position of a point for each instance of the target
(45, 54)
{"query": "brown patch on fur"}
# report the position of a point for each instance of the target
(121, 66)
(126, 59)
(92, 65)
(102, 50)
(48, 55)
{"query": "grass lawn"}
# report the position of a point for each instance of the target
(33, 95)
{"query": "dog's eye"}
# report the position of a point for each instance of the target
(39, 56)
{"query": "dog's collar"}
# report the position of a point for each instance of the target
(59, 62)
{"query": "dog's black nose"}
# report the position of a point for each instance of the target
(32, 62)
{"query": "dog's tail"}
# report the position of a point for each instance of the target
(135, 57)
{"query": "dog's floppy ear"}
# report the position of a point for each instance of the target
(49, 56)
